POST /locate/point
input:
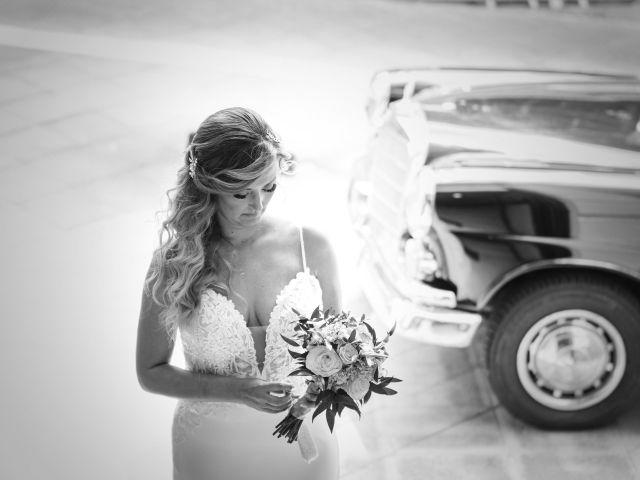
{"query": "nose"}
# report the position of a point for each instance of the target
(257, 201)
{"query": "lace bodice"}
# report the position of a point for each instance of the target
(218, 340)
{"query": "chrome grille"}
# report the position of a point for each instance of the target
(390, 174)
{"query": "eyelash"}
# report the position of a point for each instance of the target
(268, 190)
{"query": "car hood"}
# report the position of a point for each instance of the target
(459, 146)
(437, 82)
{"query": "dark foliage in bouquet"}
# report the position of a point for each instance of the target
(342, 356)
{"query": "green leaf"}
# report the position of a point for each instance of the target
(393, 329)
(371, 331)
(316, 313)
(384, 381)
(355, 408)
(301, 372)
(297, 354)
(352, 337)
(331, 418)
(389, 391)
(324, 395)
(347, 401)
(321, 408)
(289, 341)
(367, 396)
(376, 388)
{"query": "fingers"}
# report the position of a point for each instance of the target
(278, 396)
(279, 387)
(275, 407)
(272, 397)
(278, 401)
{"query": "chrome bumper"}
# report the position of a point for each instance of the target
(420, 312)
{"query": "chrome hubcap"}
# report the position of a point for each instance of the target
(571, 359)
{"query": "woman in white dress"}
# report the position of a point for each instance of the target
(228, 279)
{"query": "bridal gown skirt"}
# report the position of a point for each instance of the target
(218, 441)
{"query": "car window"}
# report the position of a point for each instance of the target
(613, 123)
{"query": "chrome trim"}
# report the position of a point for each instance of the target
(419, 311)
(546, 264)
(571, 360)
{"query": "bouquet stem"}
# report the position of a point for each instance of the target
(289, 428)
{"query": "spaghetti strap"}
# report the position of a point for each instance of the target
(304, 257)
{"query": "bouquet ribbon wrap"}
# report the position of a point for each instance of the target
(308, 447)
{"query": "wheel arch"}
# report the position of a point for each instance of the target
(517, 278)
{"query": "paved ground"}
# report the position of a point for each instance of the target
(96, 100)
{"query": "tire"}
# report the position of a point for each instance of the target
(562, 352)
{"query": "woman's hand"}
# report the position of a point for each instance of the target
(272, 397)
(307, 402)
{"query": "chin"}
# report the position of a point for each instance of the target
(251, 219)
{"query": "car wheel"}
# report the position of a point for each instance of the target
(562, 351)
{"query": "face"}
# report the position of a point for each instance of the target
(245, 208)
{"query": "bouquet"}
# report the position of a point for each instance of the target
(342, 356)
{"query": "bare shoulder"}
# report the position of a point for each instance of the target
(317, 246)
(322, 262)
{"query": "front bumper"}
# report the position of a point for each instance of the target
(419, 311)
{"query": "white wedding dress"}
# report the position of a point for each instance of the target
(227, 441)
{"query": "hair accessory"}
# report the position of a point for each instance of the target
(193, 162)
(272, 137)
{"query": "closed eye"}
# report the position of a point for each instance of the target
(270, 189)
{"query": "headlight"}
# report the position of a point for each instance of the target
(419, 262)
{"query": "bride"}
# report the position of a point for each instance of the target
(228, 278)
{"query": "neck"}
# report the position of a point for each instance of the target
(238, 236)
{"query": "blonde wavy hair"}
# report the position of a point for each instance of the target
(229, 151)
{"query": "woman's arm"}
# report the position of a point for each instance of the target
(156, 375)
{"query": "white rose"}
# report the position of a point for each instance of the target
(323, 361)
(348, 353)
(358, 387)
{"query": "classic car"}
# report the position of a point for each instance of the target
(501, 208)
